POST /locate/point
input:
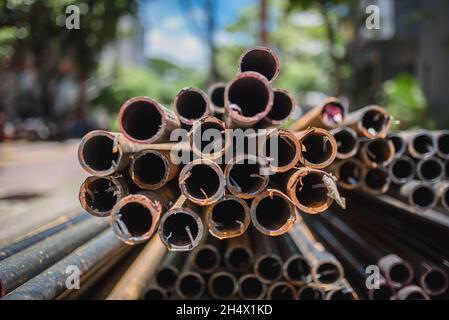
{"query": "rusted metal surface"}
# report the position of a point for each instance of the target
(228, 217)
(370, 122)
(239, 254)
(328, 115)
(216, 98)
(318, 147)
(288, 153)
(284, 104)
(205, 134)
(244, 112)
(349, 173)
(222, 285)
(251, 287)
(262, 60)
(377, 153)
(144, 120)
(133, 283)
(190, 105)
(347, 142)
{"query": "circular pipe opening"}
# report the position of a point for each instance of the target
(377, 179)
(282, 106)
(207, 258)
(209, 134)
(223, 286)
(282, 291)
(142, 120)
(434, 282)
(248, 96)
(239, 258)
(150, 169)
(100, 194)
(310, 191)
(346, 142)
(179, 227)
(400, 274)
(317, 148)
(229, 216)
(384, 292)
(350, 173)
(137, 219)
(251, 288)
(244, 179)
(310, 293)
(328, 273)
(200, 182)
(98, 153)
(423, 144)
(155, 294)
(379, 151)
(423, 197)
(296, 269)
(286, 153)
(430, 170)
(269, 268)
(332, 114)
(375, 122)
(443, 144)
(262, 61)
(273, 212)
(398, 144)
(191, 285)
(166, 277)
(191, 105)
(341, 294)
(403, 170)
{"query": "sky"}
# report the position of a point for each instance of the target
(173, 28)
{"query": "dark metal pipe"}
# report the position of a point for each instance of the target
(398, 143)
(267, 262)
(251, 287)
(228, 217)
(412, 293)
(419, 195)
(376, 180)
(144, 120)
(207, 257)
(442, 143)
(344, 292)
(155, 292)
(272, 212)
(296, 268)
(21, 267)
(282, 291)
(442, 190)
(239, 256)
(287, 153)
(168, 272)
(208, 138)
(310, 292)
(60, 224)
(262, 60)
(248, 99)
(430, 170)
(222, 285)
(99, 195)
(52, 282)
(420, 143)
(216, 98)
(349, 173)
(347, 142)
(402, 170)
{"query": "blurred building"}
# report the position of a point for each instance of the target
(413, 37)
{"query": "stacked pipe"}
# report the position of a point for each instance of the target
(250, 267)
(144, 187)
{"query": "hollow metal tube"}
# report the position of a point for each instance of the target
(260, 59)
(347, 142)
(284, 104)
(402, 170)
(376, 153)
(190, 105)
(318, 147)
(370, 122)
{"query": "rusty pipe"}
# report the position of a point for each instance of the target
(135, 218)
(402, 170)
(349, 173)
(328, 115)
(282, 291)
(181, 228)
(343, 292)
(99, 195)
(239, 256)
(376, 181)
(222, 285)
(262, 60)
(376, 153)
(202, 182)
(206, 258)
(430, 170)
(248, 99)
(347, 142)
(190, 105)
(228, 217)
(318, 147)
(370, 122)
(296, 269)
(419, 195)
(251, 287)
(272, 212)
(100, 153)
(208, 138)
(152, 169)
(284, 104)
(190, 284)
(144, 120)
(168, 272)
(420, 143)
(244, 176)
(216, 98)
(133, 283)
(286, 151)
(307, 189)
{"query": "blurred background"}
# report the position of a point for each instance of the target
(56, 84)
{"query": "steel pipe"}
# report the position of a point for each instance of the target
(318, 147)
(430, 170)
(370, 122)
(251, 287)
(402, 170)
(216, 98)
(420, 143)
(222, 285)
(284, 104)
(262, 60)
(347, 142)
(239, 256)
(190, 105)
(377, 153)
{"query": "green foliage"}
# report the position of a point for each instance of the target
(405, 101)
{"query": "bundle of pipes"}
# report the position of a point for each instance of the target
(139, 181)
(251, 267)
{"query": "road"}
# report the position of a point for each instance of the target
(39, 182)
